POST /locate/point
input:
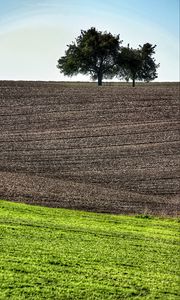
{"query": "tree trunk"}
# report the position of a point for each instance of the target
(100, 79)
(133, 82)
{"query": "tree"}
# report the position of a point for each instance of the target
(93, 53)
(149, 67)
(130, 63)
(137, 64)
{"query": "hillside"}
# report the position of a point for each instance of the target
(107, 149)
(64, 254)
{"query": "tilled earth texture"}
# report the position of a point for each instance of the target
(106, 149)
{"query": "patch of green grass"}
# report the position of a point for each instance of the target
(48, 253)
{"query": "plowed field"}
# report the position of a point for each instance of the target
(106, 149)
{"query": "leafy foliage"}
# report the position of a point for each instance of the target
(130, 63)
(93, 53)
(137, 64)
(100, 55)
(148, 71)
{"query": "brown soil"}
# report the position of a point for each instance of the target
(106, 149)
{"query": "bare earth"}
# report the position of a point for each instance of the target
(106, 149)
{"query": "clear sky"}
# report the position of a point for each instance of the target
(34, 33)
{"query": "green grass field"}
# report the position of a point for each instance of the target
(48, 253)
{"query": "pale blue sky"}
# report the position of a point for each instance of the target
(34, 33)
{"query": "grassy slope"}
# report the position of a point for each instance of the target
(62, 254)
